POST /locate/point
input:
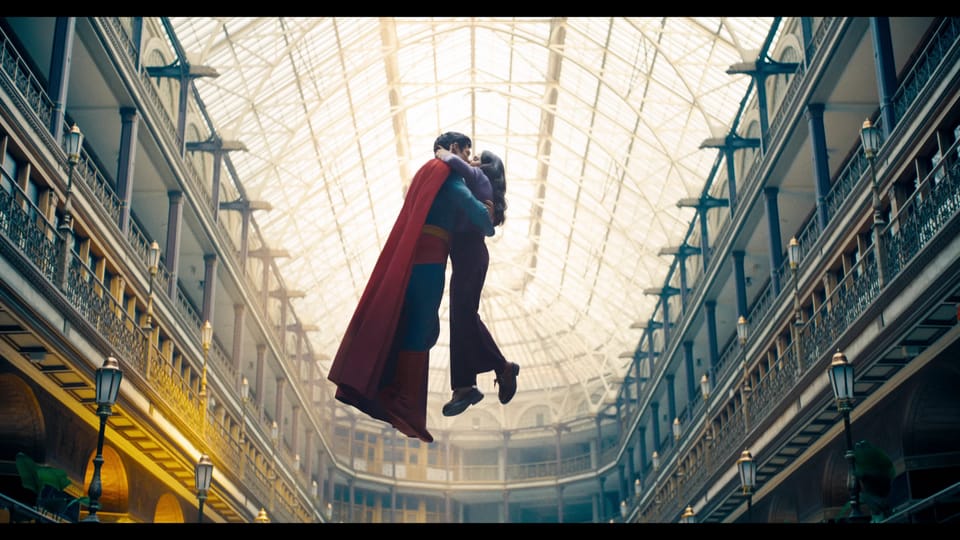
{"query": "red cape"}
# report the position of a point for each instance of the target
(367, 344)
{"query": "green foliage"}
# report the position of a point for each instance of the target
(875, 472)
(49, 484)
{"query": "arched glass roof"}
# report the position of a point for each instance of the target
(598, 120)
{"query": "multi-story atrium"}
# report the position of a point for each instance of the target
(730, 268)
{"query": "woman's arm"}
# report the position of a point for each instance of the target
(478, 182)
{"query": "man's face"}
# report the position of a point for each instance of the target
(462, 153)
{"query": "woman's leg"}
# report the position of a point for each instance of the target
(469, 259)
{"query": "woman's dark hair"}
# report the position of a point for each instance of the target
(492, 166)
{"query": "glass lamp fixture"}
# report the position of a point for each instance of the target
(203, 473)
(794, 253)
(109, 377)
(841, 381)
(870, 137)
(206, 335)
(742, 328)
(74, 142)
(153, 257)
(748, 472)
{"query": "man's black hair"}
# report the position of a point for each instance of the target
(446, 140)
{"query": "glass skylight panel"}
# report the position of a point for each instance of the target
(611, 185)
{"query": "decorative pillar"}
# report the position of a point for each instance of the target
(773, 234)
(261, 368)
(209, 286)
(130, 122)
(655, 414)
(821, 160)
(710, 309)
(681, 252)
(702, 205)
(740, 279)
(886, 71)
(218, 147)
(236, 352)
(171, 253)
(688, 364)
(58, 82)
(728, 145)
(759, 70)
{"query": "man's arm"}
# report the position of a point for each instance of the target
(477, 182)
(476, 212)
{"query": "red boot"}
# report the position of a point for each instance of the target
(405, 399)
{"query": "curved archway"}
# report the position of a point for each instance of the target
(22, 428)
(113, 478)
(168, 510)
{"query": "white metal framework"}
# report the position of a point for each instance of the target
(597, 119)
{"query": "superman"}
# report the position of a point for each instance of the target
(382, 364)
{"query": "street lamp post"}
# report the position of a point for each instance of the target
(74, 141)
(841, 381)
(206, 337)
(274, 439)
(655, 458)
(676, 429)
(688, 515)
(794, 255)
(153, 260)
(245, 398)
(870, 137)
(108, 381)
(203, 475)
(748, 479)
(742, 330)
